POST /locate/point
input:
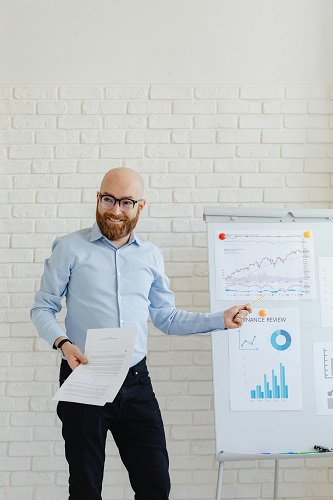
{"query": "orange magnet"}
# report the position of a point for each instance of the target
(262, 312)
(222, 236)
(307, 234)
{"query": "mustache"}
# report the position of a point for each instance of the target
(113, 217)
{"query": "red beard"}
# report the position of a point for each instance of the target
(115, 231)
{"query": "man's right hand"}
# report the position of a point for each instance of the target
(73, 355)
(235, 316)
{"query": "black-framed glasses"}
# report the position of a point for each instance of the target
(125, 204)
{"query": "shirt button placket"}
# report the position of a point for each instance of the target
(119, 288)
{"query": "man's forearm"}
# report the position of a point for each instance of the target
(47, 326)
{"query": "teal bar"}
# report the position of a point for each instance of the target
(282, 379)
(284, 388)
(266, 386)
(275, 386)
(268, 392)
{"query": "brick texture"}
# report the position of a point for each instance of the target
(195, 146)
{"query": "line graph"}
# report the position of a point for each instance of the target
(279, 263)
(245, 344)
(267, 261)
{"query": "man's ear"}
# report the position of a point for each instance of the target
(142, 204)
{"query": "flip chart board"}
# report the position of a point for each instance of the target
(273, 378)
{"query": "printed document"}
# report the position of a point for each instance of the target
(279, 263)
(265, 362)
(326, 290)
(109, 352)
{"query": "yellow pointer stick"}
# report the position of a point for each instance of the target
(260, 298)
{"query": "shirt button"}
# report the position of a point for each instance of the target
(122, 321)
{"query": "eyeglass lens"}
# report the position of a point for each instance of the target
(109, 202)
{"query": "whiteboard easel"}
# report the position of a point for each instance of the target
(279, 430)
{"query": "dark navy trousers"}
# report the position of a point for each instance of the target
(135, 422)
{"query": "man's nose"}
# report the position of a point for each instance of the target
(116, 209)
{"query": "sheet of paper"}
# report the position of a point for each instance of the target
(325, 265)
(109, 352)
(265, 362)
(279, 263)
(323, 371)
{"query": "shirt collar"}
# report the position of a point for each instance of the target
(97, 235)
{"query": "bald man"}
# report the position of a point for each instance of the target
(112, 278)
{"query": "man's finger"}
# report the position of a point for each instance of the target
(82, 359)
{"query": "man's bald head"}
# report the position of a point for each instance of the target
(124, 179)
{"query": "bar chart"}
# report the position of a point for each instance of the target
(273, 389)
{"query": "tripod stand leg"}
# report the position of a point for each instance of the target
(276, 479)
(219, 482)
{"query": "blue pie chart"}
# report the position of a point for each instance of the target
(287, 340)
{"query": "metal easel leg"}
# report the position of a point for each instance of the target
(276, 479)
(219, 482)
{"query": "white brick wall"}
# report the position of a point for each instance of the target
(195, 146)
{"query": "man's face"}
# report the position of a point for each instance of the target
(115, 227)
(114, 223)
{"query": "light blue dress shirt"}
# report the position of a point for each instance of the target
(110, 287)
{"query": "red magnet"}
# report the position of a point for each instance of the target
(222, 236)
